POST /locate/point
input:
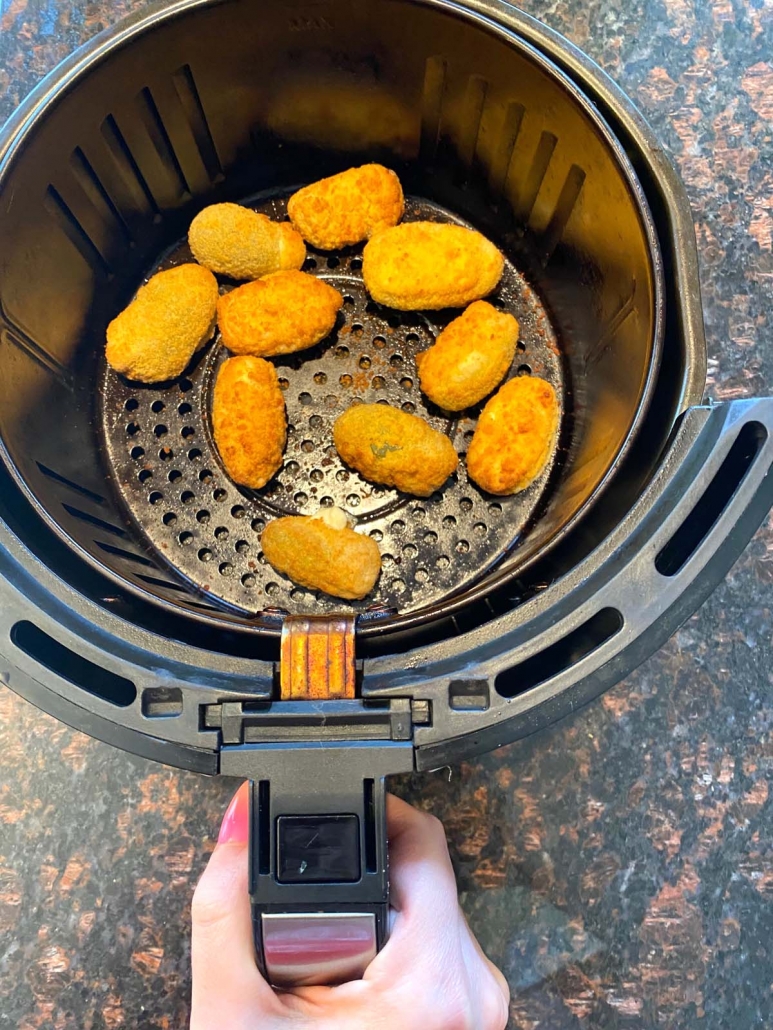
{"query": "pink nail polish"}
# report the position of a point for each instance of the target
(235, 827)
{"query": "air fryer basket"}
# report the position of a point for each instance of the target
(243, 101)
(133, 600)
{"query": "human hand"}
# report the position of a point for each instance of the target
(431, 975)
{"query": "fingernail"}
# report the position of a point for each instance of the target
(235, 827)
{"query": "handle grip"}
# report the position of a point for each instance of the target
(319, 881)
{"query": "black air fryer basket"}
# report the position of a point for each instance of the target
(136, 602)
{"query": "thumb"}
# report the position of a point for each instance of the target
(228, 989)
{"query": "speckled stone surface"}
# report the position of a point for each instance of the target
(620, 866)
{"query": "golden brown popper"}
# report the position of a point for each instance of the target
(386, 445)
(323, 553)
(233, 240)
(347, 208)
(515, 436)
(278, 314)
(249, 420)
(171, 317)
(430, 265)
(469, 358)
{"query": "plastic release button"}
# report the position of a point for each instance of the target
(318, 849)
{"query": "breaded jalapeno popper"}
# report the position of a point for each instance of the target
(386, 445)
(248, 420)
(323, 553)
(171, 317)
(515, 436)
(233, 240)
(347, 208)
(469, 358)
(278, 314)
(430, 265)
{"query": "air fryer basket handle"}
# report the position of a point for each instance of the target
(318, 854)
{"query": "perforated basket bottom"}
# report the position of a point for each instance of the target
(165, 466)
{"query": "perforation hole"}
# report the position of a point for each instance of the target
(132, 429)
(449, 522)
(349, 301)
(342, 351)
(309, 264)
(157, 407)
(241, 547)
(307, 446)
(185, 538)
(220, 494)
(408, 406)
(205, 554)
(320, 378)
(398, 526)
(258, 525)
(272, 589)
(156, 497)
(327, 502)
(185, 385)
(364, 361)
(355, 264)
(376, 535)
(353, 500)
(462, 546)
(184, 409)
(226, 569)
(170, 518)
(378, 383)
(407, 383)
(379, 342)
(430, 537)
(480, 529)
(221, 533)
(187, 496)
(396, 361)
(160, 430)
(520, 346)
(137, 453)
(132, 404)
(203, 516)
(316, 475)
(283, 383)
(465, 504)
(144, 475)
(248, 580)
(194, 454)
(305, 398)
(175, 475)
(524, 370)
(165, 454)
(301, 498)
(412, 338)
(442, 561)
(187, 432)
(333, 261)
(410, 550)
(238, 512)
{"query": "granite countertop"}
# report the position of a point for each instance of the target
(619, 867)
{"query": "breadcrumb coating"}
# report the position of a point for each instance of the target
(171, 317)
(233, 240)
(515, 436)
(386, 445)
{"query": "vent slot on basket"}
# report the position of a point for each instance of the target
(57, 658)
(562, 655)
(715, 498)
(468, 695)
(162, 702)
